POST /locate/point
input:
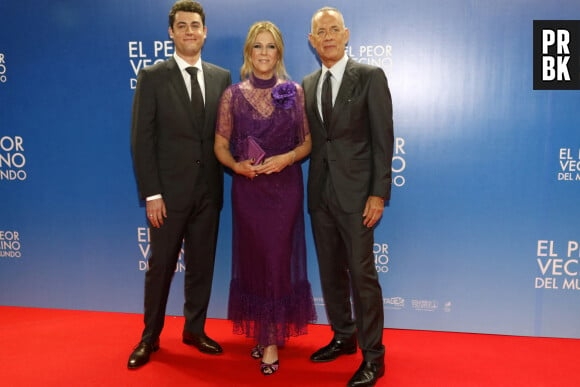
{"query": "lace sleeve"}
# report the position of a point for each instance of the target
(302, 121)
(225, 118)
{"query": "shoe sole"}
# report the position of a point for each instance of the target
(350, 352)
(188, 342)
(133, 367)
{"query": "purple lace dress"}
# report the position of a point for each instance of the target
(270, 297)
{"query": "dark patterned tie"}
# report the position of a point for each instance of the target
(326, 100)
(196, 97)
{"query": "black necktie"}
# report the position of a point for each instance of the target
(196, 97)
(326, 100)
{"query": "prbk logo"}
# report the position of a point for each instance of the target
(569, 164)
(425, 305)
(143, 241)
(12, 159)
(3, 77)
(10, 244)
(380, 55)
(381, 253)
(558, 265)
(556, 54)
(143, 55)
(394, 303)
(399, 164)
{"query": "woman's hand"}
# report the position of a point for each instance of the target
(246, 168)
(275, 164)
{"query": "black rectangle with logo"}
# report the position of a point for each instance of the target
(556, 54)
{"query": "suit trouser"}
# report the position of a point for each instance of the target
(197, 228)
(346, 261)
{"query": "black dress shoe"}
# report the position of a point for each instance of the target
(202, 342)
(141, 353)
(334, 350)
(367, 374)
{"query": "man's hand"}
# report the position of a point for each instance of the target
(156, 212)
(373, 210)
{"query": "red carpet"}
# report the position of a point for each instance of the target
(45, 347)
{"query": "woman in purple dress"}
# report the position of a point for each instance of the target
(262, 133)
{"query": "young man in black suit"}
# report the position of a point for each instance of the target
(350, 117)
(172, 139)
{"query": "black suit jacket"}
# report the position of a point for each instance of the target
(171, 151)
(357, 150)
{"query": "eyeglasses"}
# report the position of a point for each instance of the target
(321, 33)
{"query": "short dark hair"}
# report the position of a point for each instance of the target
(186, 6)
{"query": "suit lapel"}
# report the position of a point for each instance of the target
(313, 100)
(211, 92)
(178, 84)
(345, 92)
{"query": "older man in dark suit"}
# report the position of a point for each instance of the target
(172, 136)
(350, 114)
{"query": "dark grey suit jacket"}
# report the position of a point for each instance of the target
(357, 150)
(170, 149)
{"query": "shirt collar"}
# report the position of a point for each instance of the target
(338, 68)
(182, 64)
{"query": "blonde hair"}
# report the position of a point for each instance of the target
(255, 29)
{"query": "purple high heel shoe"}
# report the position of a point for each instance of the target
(257, 352)
(269, 368)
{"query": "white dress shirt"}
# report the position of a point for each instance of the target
(337, 72)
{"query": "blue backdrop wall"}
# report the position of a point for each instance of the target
(482, 232)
